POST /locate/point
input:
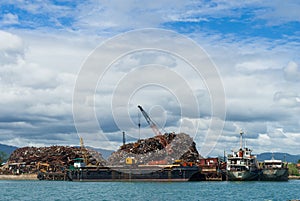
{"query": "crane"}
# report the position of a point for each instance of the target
(84, 151)
(155, 129)
(150, 122)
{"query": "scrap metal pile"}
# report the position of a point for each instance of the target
(58, 158)
(148, 151)
(165, 149)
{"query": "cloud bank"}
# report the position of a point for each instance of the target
(254, 45)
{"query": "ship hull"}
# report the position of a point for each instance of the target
(275, 175)
(136, 174)
(242, 175)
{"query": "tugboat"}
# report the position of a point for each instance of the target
(274, 170)
(242, 165)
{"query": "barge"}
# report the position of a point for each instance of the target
(136, 173)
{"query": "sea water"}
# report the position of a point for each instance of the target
(62, 190)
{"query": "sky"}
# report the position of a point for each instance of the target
(53, 89)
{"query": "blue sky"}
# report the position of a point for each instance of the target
(254, 45)
(252, 19)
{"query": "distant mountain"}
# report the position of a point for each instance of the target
(104, 152)
(7, 149)
(279, 156)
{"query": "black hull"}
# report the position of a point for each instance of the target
(275, 175)
(262, 175)
(243, 175)
(136, 174)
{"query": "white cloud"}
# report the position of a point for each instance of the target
(36, 86)
(257, 64)
(277, 13)
(287, 99)
(292, 71)
(53, 67)
(10, 18)
(276, 133)
(11, 48)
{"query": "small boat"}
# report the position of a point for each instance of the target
(274, 170)
(242, 165)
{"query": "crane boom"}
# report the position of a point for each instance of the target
(155, 129)
(150, 121)
(84, 151)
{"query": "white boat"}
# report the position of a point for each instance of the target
(242, 165)
(274, 170)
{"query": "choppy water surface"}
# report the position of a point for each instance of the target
(59, 190)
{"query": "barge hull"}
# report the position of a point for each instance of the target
(136, 174)
(243, 176)
(275, 175)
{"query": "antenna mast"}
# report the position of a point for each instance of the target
(124, 139)
(241, 139)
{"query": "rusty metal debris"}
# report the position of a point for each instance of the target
(145, 151)
(57, 159)
(54, 159)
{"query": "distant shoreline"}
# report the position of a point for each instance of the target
(294, 177)
(19, 177)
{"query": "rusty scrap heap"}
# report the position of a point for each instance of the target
(58, 158)
(148, 151)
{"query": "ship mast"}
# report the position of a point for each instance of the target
(241, 139)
